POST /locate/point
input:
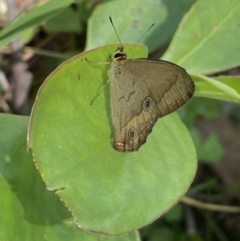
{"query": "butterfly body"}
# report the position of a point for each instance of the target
(142, 90)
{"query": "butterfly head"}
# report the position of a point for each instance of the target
(119, 54)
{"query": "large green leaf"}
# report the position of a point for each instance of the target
(28, 210)
(105, 190)
(208, 39)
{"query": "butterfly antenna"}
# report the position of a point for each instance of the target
(141, 37)
(115, 31)
(138, 39)
(145, 32)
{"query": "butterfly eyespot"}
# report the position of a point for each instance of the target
(132, 133)
(147, 104)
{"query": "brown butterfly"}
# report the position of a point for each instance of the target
(143, 90)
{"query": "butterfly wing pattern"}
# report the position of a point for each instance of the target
(142, 90)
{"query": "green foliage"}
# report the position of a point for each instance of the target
(209, 150)
(102, 190)
(28, 210)
(32, 19)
